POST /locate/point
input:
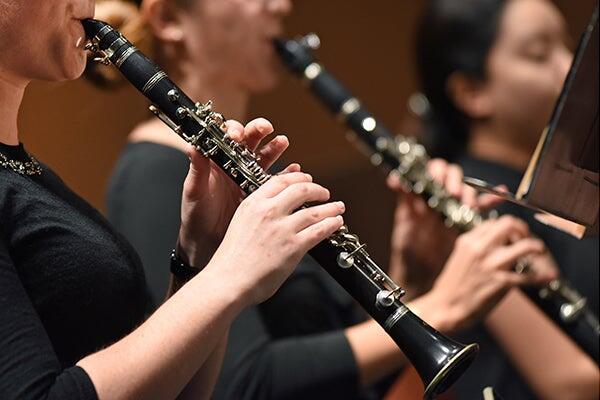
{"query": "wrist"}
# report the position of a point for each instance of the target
(233, 286)
(190, 253)
(211, 282)
(437, 311)
(180, 269)
(410, 274)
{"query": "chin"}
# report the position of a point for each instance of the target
(69, 67)
(74, 69)
(267, 81)
(270, 84)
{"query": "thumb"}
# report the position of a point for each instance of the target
(199, 164)
(199, 171)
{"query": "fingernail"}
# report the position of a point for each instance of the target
(342, 205)
(265, 127)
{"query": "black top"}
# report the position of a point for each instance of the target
(144, 204)
(293, 345)
(69, 285)
(578, 262)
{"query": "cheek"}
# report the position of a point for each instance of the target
(261, 69)
(255, 48)
(71, 57)
(48, 53)
(251, 59)
(262, 59)
(524, 95)
(64, 61)
(74, 57)
(235, 37)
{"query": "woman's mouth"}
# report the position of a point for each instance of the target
(79, 34)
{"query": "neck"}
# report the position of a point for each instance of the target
(228, 100)
(204, 82)
(488, 144)
(11, 96)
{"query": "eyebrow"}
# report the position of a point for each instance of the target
(546, 35)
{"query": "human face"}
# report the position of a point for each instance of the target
(235, 39)
(527, 68)
(43, 39)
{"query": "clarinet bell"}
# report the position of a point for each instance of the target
(439, 375)
(438, 360)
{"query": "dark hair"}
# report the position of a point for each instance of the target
(453, 36)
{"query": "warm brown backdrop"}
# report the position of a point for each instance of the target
(367, 44)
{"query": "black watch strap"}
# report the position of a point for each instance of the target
(182, 270)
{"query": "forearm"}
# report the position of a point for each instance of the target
(202, 384)
(551, 363)
(174, 285)
(160, 357)
(376, 354)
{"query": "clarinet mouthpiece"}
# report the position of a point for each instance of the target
(92, 27)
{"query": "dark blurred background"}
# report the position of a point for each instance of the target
(79, 131)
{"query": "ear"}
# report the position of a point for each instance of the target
(471, 96)
(163, 19)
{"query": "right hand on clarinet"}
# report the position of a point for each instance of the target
(269, 234)
(418, 229)
(479, 272)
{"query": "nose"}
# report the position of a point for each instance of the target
(280, 7)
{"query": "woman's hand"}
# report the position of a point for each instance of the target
(269, 233)
(421, 242)
(479, 271)
(210, 197)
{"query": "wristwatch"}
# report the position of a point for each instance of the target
(180, 269)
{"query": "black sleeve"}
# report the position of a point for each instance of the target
(260, 367)
(144, 204)
(29, 368)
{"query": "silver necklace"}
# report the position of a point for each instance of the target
(29, 168)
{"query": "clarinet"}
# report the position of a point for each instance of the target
(439, 360)
(407, 159)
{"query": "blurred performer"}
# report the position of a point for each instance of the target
(311, 341)
(492, 71)
(73, 299)
(219, 50)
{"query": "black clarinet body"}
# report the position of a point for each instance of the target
(399, 155)
(407, 159)
(438, 359)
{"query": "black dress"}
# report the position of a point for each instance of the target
(292, 346)
(578, 262)
(69, 286)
